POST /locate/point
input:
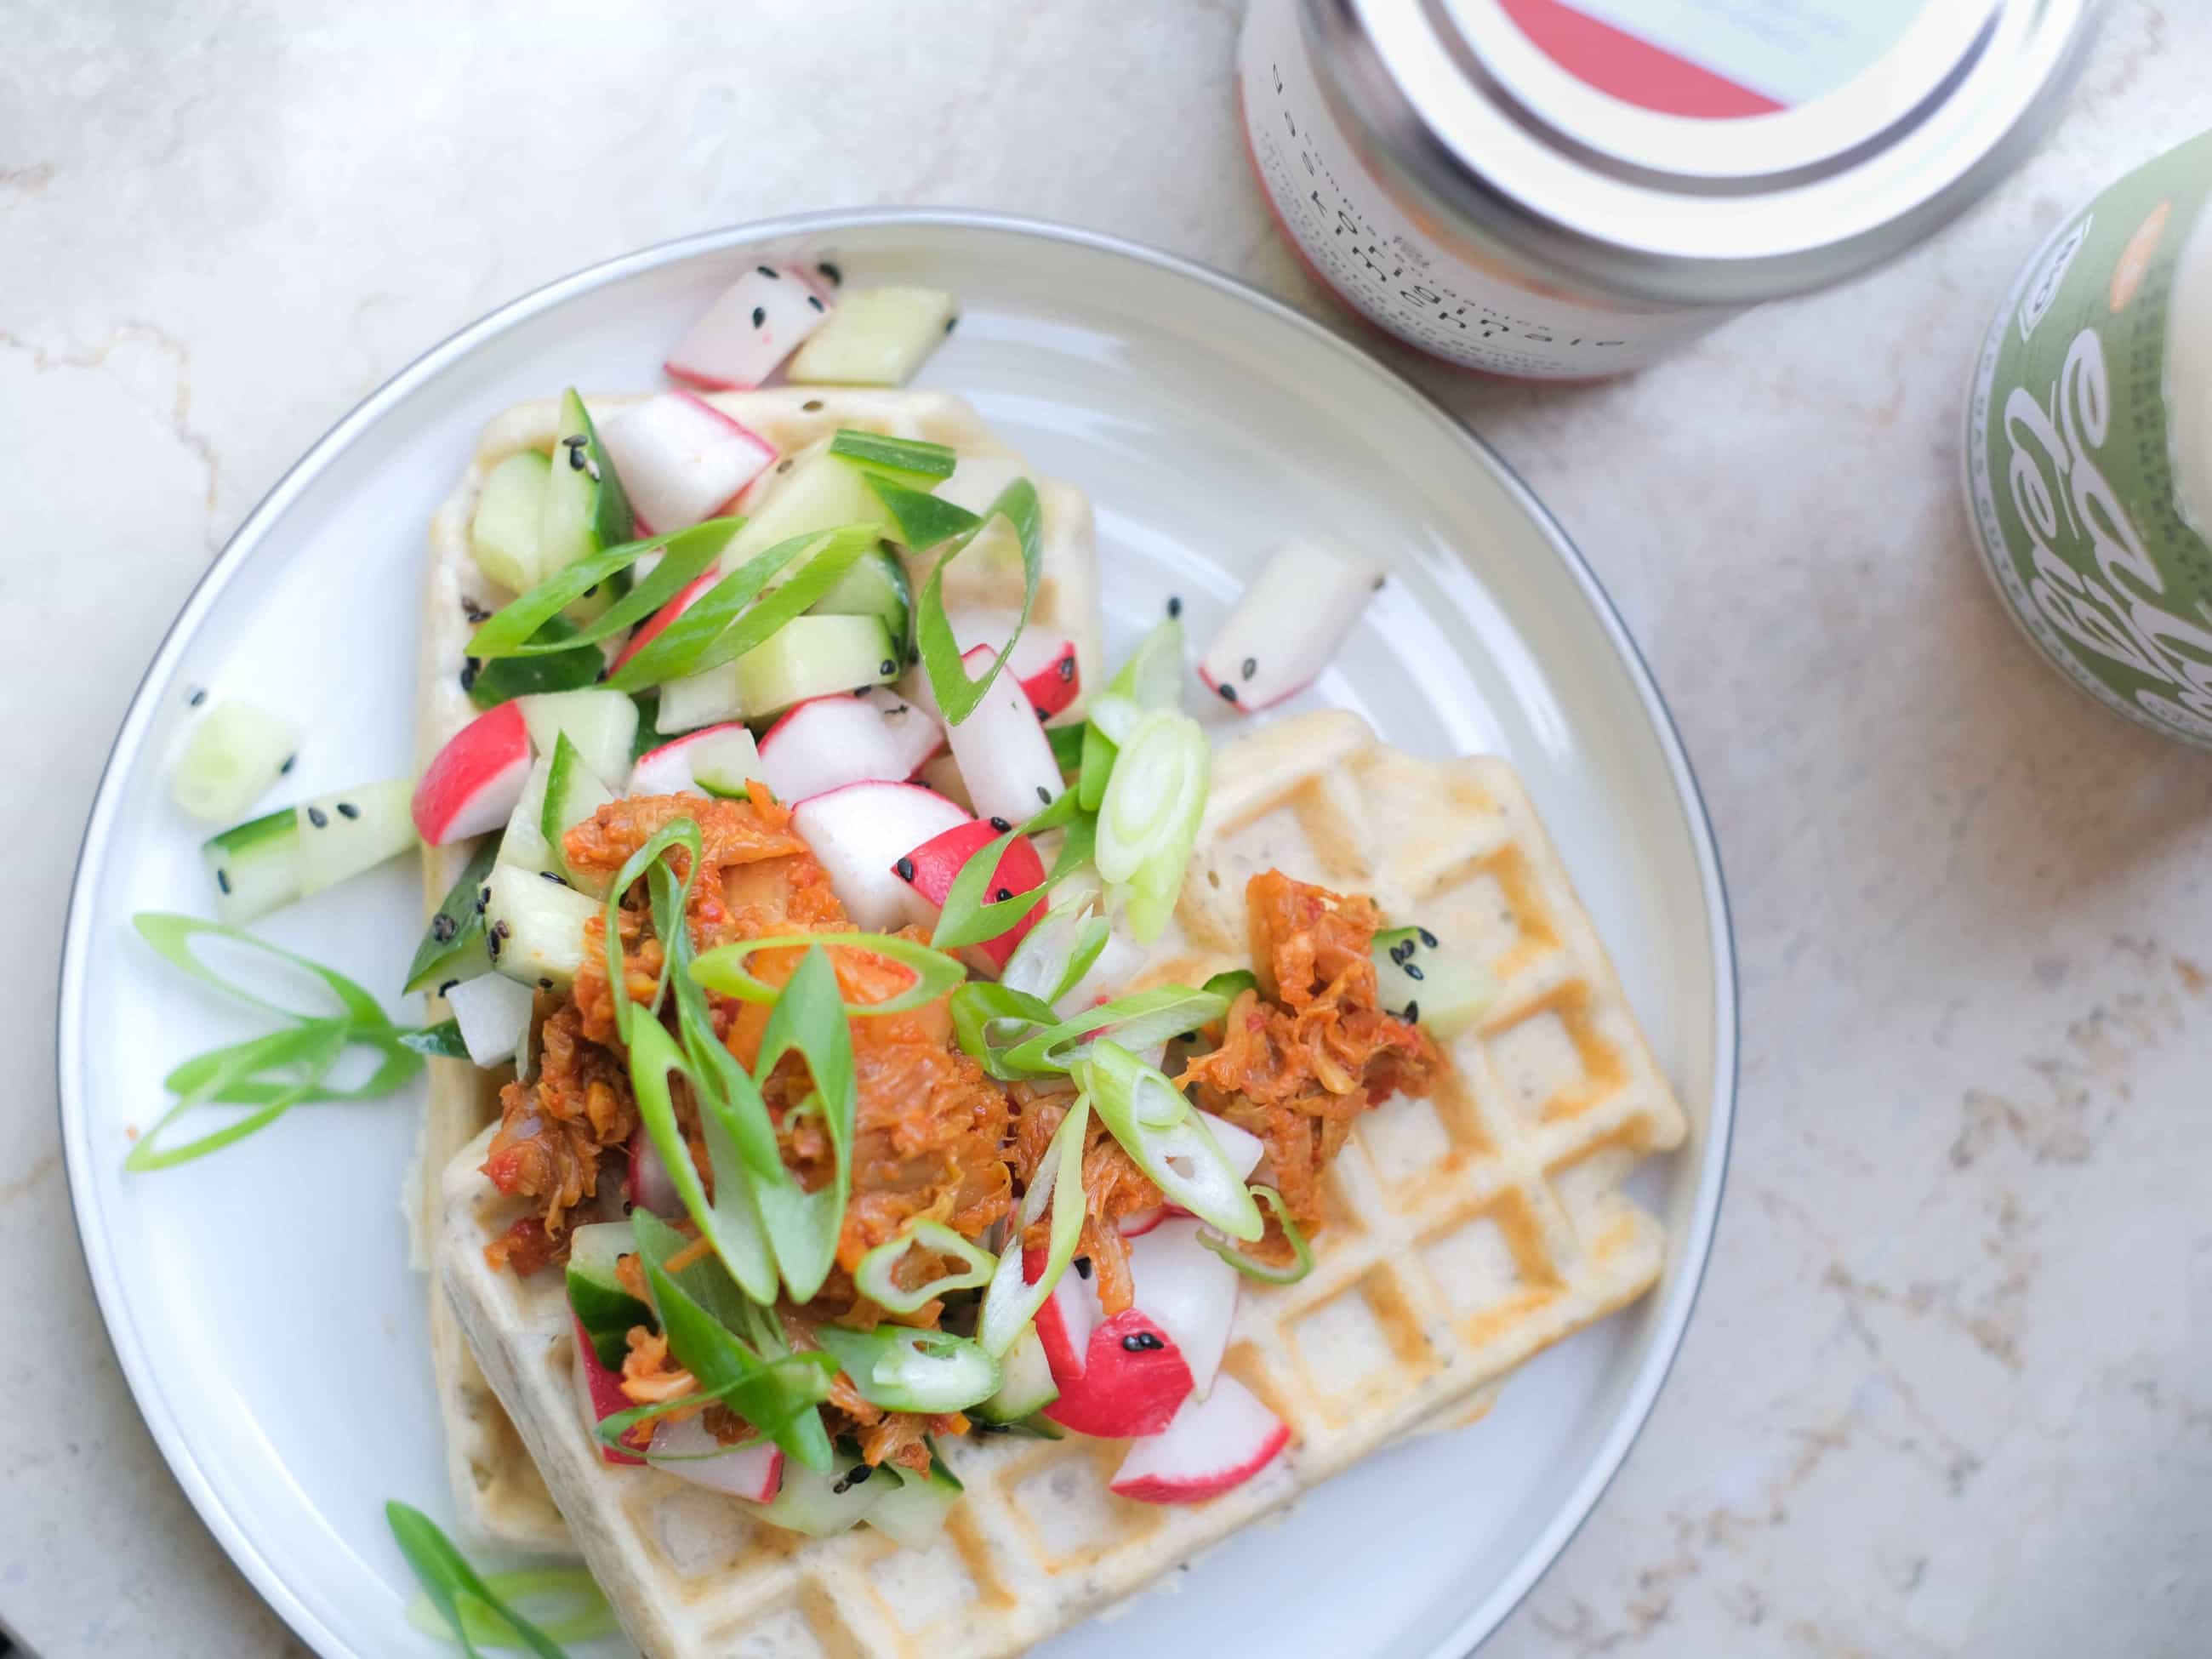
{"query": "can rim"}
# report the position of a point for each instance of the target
(1834, 191)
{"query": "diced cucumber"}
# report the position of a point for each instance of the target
(820, 492)
(254, 866)
(534, 927)
(702, 699)
(601, 724)
(586, 510)
(875, 585)
(914, 1512)
(603, 1307)
(504, 533)
(344, 834)
(494, 1014)
(524, 845)
(452, 940)
(1025, 1386)
(1417, 979)
(572, 795)
(504, 678)
(823, 1505)
(233, 756)
(813, 657)
(876, 337)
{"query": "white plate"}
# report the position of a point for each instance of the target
(261, 1300)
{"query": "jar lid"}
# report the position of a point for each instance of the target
(1687, 152)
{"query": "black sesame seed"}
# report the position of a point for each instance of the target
(474, 612)
(1000, 826)
(760, 315)
(286, 766)
(1039, 713)
(1044, 795)
(1083, 1267)
(348, 810)
(1377, 588)
(905, 868)
(628, 1207)
(222, 879)
(1251, 666)
(483, 897)
(447, 986)
(815, 300)
(1228, 691)
(545, 984)
(199, 696)
(1413, 1013)
(555, 876)
(1414, 970)
(500, 930)
(577, 459)
(950, 323)
(469, 673)
(812, 405)
(443, 927)
(575, 441)
(491, 945)
(784, 465)
(862, 690)
(770, 272)
(1175, 604)
(1427, 937)
(889, 665)
(591, 590)
(1004, 893)
(1067, 667)
(837, 277)
(1141, 1342)
(318, 817)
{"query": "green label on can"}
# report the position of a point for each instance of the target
(2089, 445)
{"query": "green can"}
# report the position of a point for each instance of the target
(2089, 446)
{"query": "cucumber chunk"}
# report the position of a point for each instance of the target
(254, 866)
(233, 756)
(534, 927)
(707, 698)
(876, 337)
(602, 1306)
(1418, 979)
(503, 534)
(823, 1505)
(813, 657)
(493, 1013)
(344, 834)
(452, 946)
(504, 678)
(524, 845)
(820, 492)
(875, 585)
(586, 510)
(1025, 1387)
(601, 724)
(573, 793)
(914, 1512)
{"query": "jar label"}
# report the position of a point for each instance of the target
(2089, 445)
(1361, 243)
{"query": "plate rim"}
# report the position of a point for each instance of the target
(1673, 1313)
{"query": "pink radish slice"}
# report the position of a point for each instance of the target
(687, 1450)
(1005, 756)
(726, 752)
(1043, 662)
(931, 867)
(651, 1186)
(1118, 1377)
(826, 742)
(687, 596)
(1186, 1291)
(759, 320)
(473, 783)
(1289, 624)
(599, 1393)
(680, 458)
(859, 832)
(1138, 1222)
(1241, 1147)
(1210, 1446)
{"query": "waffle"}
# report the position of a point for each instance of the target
(497, 1492)
(1467, 1232)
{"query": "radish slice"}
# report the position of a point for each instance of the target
(826, 742)
(600, 1395)
(760, 319)
(1138, 1222)
(1241, 1147)
(494, 1014)
(687, 596)
(680, 458)
(1287, 626)
(688, 1449)
(1212, 1445)
(1043, 662)
(1005, 756)
(651, 1186)
(718, 760)
(860, 832)
(1188, 1292)
(931, 868)
(1118, 1377)
(472, 785)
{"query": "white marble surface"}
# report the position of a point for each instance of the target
(1948, 1391)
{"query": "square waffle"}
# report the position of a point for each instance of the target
(497, 1492)
(1467, 1232)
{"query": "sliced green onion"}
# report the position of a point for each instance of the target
(924, 521)
(785, 1391)
(1011, 1302)
(712, 631)
(958, 697)
(1267, 1272)
(459, 919)
(809, 1020)
(1149, 818)
(875, 1277)
(742, 1151)
(1232, 983)
(442, 1041)
(966, 918)
(731, 1222)
(1098, 755)
(1057, 952)
(988, 1020)
(1136, 1021)
(1066, 743)
(512, 630)
(552, 661)
(903, 1370)
(1170, 1143)
(1115, 716)
(677, 832)
(171, 936)
(901, 458)
(447, 1576)
(580, 1610)
(1153, 678)
(310, 1050)
(723, 968)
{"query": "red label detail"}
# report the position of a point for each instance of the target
(1634, 71)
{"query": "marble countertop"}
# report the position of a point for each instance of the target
(1946, 1392)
